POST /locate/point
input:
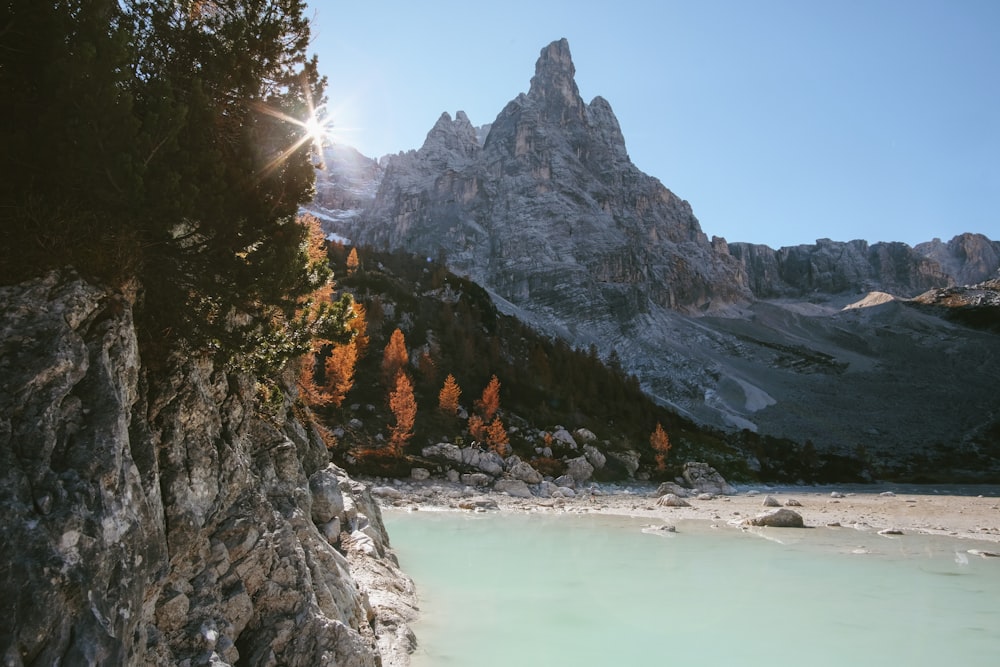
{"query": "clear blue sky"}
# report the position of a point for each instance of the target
(779, 121)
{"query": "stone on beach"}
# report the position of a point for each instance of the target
(524, 472)
(782, 518)
(671, 487)
(512, 487)
(671, 500)
(579, 469)
(771, 501)
(706, 479)
(478, 504)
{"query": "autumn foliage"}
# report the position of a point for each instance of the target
(394, 358)
(489, 403)
(352, 262)
(496, 436)
(449, 395)
(340, 371)
(485, 424)
(404, 409)
(359, 329)
(660, 443)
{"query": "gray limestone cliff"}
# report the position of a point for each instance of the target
(832, 267)
(174, 522)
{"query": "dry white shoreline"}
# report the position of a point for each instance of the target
(975, 517)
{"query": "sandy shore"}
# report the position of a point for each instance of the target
(910, 510)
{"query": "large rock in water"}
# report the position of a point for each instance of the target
(163, 522)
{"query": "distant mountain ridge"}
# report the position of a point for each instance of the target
(547, 212)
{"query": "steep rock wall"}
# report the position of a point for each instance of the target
(168, 522)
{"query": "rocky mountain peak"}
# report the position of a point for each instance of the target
(554, 84)
(450, 140)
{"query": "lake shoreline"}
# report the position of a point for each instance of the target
(968, 512)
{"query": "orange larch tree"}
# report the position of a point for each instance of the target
(352, 262)
(404, 409)
(359, 328)
(660, 443)
(489, 403)
(477, 428)
(339, 369)
(394, 358)
(496, 436)
(449, 395)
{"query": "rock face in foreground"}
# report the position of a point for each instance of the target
(171, 523)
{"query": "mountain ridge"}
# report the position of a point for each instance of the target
(551, 217)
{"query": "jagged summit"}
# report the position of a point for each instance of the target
(450, 139)
(554, 81)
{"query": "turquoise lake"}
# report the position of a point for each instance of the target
(546, 589)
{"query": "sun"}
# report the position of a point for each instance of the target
(319, 128)
(315, 129)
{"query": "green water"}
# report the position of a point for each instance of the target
(534, 590)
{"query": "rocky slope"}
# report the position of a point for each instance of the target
(549, 214)
(172, 521)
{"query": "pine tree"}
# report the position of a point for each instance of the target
(660, 443)
(166, 139)
(449, 395)
(394, 358)
(404, 409)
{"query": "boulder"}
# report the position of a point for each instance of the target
(670, 500)
(594, 456)
(524, 472)
(473, 457)
(564, 492)
(584, 435)
(629, 460)
(475, 479)
(478, 504)
(382, 492)
(771, 501)
(563, 437)
(420, 474)
(579, 469)
(327, 499)
(546, 489)
(782, 518)
(670, 487)
(512, 487)
(565, 481)
(706, 479)
(792, 502)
